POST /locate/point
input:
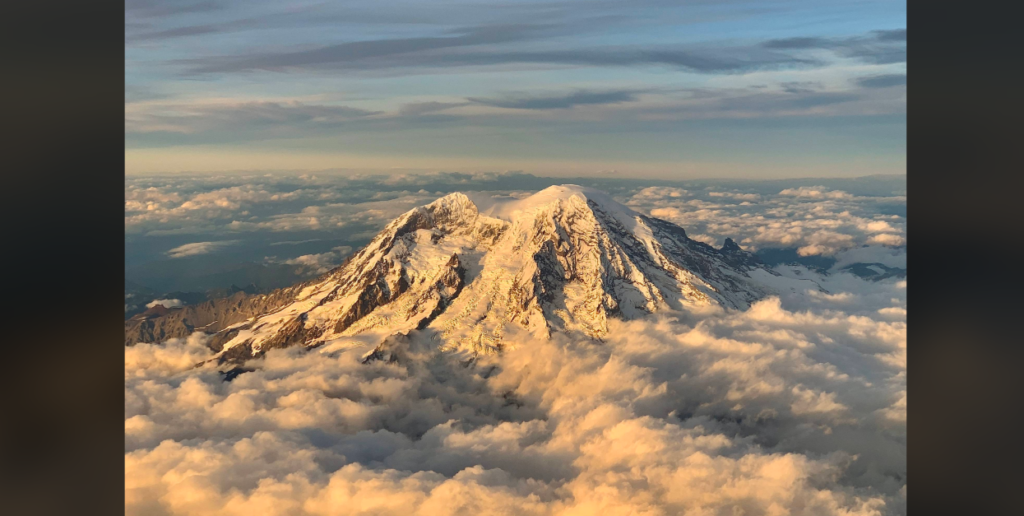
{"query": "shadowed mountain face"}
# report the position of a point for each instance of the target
(565, 259)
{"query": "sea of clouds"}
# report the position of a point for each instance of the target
(815, 219)
(795, 406)
(300, 221)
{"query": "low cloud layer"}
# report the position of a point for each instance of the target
(796, 406)
(568, 100)
(273, 230)
(815, 220)
(243, 203)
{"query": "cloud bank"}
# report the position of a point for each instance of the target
(796, 406)
(816, 220)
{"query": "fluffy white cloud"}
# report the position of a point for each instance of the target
(197, 248)
(190, 207)
(814, 220)
(886, 239)
(657, 193)
(796, 406)
(736, 195)
(332, 215)
(278, 202)
(316, 263)
(166, 303)
(707, 239)
(815, 192)
(824, 241)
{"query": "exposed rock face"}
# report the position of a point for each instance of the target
(565, 259)
(158, 323)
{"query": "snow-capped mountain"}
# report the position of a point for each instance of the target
(565, 259)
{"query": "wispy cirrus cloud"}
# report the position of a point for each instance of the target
(158, 8)
(877, 47)
(882, 81)
(199, 117)
(426, 108)
(436, 78)
(360, 54)
(563, 101)
(221, 121)
(460, 51)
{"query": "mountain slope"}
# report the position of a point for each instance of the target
(565, 259)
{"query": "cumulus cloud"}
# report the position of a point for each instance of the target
(886, 239)
(815, 192)
(707, 239)
(796, 406)
(157, 206)
(166, 303)
(194, 205)
(736, 195)
(825, 242)
(811, 220)
(316, 263)
(655, 193)
(347, 208)
(197, 248)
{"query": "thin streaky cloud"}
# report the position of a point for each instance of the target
(468, 82)
(564, 101)
(882, 81)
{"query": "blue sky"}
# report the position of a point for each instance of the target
(658, 89)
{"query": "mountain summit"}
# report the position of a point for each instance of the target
(565, 259)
